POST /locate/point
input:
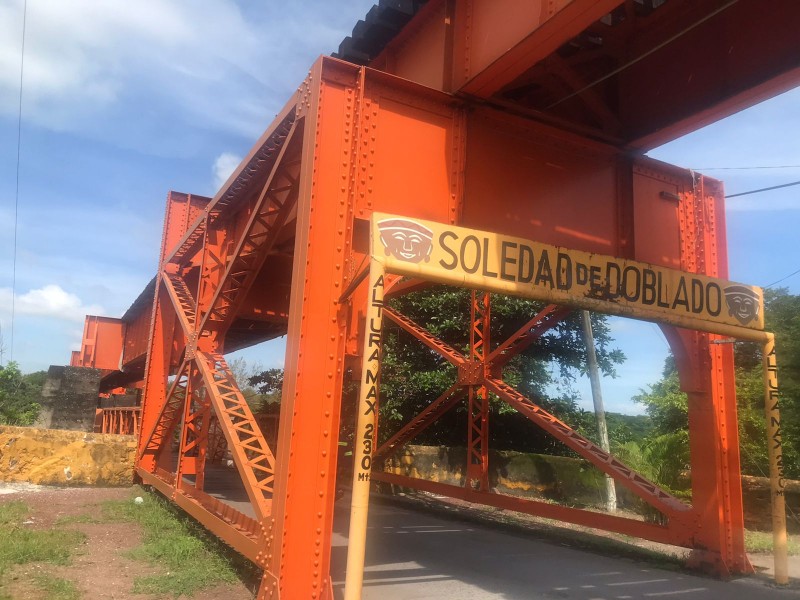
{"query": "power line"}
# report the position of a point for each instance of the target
(766, 189)
(782, 279)
(753, 168)
(16, 192)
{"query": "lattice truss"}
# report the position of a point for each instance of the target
(480, 374)
(204, 417)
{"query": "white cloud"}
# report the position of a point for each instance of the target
(224, 165)
(83, 56)
(214, 66)
(49, 301)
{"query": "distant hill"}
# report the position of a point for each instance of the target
(628, 427)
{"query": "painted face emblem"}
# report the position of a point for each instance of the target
(406, 240)
(742, 303)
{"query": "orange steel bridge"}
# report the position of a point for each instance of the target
(526, 118)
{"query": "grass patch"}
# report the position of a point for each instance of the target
(12, 513)
(76, 519)
(760, 542)
(22, 545)
(56, 588)
(191, 558)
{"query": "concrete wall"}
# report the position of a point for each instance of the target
(57, 457)
(69, 398)
(569, 481)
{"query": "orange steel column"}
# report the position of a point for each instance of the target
(478, 403)
(304, 494)
(708, 377)
(157, 369)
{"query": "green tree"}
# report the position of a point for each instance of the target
(667, 405)
(19, 395)
(268, 385)
(663, 455)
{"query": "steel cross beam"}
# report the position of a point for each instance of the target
(271, 210)
(266, 154)
(482, 363)
(481, 375)
(445, 350)
(184, 302)
(191, 428)
(526, 335)
(194, 434)
(423, 420)
(167, 419)
(642, 487)
(251, 453)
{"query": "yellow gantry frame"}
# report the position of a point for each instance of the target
(409, 248)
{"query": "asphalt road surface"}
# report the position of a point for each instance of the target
(417, 555)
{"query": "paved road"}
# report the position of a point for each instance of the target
(418, 555)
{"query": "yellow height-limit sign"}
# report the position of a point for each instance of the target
(515, 266)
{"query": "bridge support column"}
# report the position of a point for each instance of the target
(305, 489)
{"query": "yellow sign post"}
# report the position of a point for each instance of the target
(775, 450)
(366, 433)
(518, 267)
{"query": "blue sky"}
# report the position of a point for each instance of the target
(125, 101)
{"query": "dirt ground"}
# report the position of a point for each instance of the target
(101, 571)
(99, 568)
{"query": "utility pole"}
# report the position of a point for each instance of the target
(597, 398)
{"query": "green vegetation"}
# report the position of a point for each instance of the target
(56, 588)
(12, 513)
(663, 452)
(761, 542)
(190, 558)
(19, 395)
(625, 428)
(22, 545)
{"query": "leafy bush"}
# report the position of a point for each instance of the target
(19, 395)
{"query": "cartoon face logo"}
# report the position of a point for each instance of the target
(742, 303)
(406, 240)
